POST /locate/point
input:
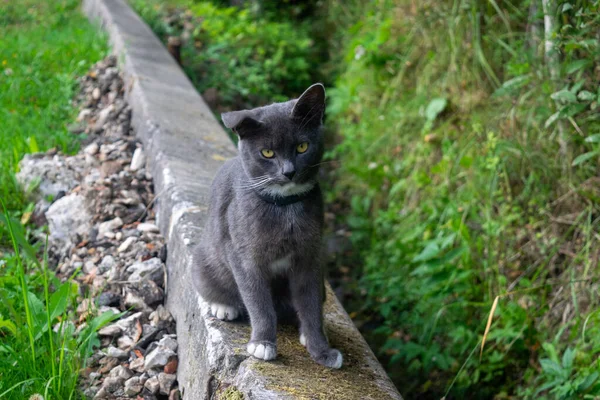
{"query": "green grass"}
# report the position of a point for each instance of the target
(46, 45)
(42, 352)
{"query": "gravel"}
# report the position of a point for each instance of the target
(102, 225)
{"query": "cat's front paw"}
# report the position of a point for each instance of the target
(330, 358)
(262, 350)
(224, 312)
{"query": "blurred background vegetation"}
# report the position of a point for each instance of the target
(465, 147)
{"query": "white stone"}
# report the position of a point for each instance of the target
(138, 160)
(147, 227)
(126, 244)
(109, 226)
(92, 148)
(149, 269)
(68, 217)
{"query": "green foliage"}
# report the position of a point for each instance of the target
(456, 158)
(41, 350)
(249, 60)
(45, 46)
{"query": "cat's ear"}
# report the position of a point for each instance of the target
(241, 122)
(310, 107)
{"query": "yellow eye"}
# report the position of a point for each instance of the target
(267, 153)
(302, 147)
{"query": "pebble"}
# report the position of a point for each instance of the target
(126, 244)
(108, 262)
(137, 365)
(117, 353)
(125, 343)
(112, 384)
(138, 160)
(158, 357)
(133, 386)
(120, 372)
(149, 269)
(152, 385)
(108, 226)
(91, 148)
(110, 330)
(148, 227)
(101, 223)
(166, 382)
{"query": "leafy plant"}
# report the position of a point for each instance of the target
(41, 350)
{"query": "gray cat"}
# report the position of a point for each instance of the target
(260, 251)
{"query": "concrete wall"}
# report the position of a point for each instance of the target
(185, 146)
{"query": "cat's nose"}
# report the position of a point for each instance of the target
(289, 174)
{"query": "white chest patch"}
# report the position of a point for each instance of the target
(281, 265)
(289, 189)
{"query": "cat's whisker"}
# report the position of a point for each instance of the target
(255, 185)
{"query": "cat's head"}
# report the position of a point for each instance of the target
(281, 144)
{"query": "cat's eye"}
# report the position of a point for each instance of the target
(267, 153)
(302, 147)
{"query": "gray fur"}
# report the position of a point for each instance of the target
(241, 261)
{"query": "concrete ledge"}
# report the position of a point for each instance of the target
(185, 146)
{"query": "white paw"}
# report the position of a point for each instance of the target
(262, 351)
(224, 312)
(338, 362)
(303, 339)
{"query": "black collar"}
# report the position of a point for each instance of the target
(281, 201)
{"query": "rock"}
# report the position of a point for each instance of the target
(171, 366)
(126, 244)
(174, 395)
(108, 299)
(109, 168)
(103, 116)
(54, 174)
(108, 263)
(109, 226)
(134, 301)
(84, 114)
(91, 392)
(129, 324)
(133, 386)
(113, 385)
(138, 160)
(101, 394)
(147, 227)
(96, 94)
(149, 269)
(125, 342)
(67, 218)
(117, 353)
(159, 315)
(149, 291)
(158, 357)
(89, 267)
(152, 385)
(111, 330)
(165, 382)
(168, 342)
(92, 148)
(137, 365)
(120, 372)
